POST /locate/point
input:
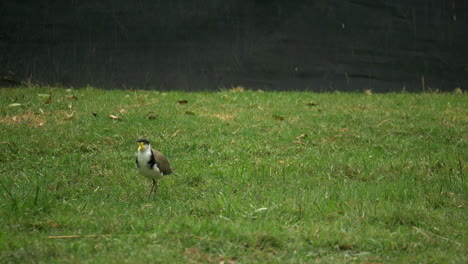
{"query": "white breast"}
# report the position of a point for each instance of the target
(145, 170)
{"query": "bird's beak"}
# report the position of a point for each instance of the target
(141, 145)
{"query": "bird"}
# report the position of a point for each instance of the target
(152, 164)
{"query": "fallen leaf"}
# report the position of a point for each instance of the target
(368, 92)
(115, 117)
(94, 114)
(72, 97)
(122, 111)
(278, 117)
(69, 116)
(152, 116)
(182, 102)
(175, 133)
(301, 136)
(48, 101)
(299, 139)
(237, 89)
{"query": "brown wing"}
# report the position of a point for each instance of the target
(162, 162)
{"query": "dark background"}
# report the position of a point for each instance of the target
(319, 45)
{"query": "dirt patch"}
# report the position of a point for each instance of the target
(28, 118)
(224, 117)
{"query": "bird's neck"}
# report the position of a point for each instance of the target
(145, 151)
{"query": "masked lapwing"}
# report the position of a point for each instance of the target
(151, 163)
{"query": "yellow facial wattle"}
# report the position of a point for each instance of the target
(141, 145)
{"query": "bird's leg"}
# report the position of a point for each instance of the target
(153, 188)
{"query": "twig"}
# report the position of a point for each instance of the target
(383, 122)
(425, 234)
(76, 236)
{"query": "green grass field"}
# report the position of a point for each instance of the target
(260, 177)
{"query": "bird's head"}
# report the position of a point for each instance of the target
(143, 144)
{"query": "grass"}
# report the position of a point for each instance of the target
(261, 177)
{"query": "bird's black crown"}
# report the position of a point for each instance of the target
(143, 140)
